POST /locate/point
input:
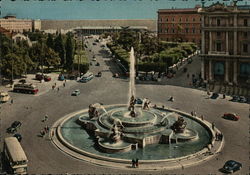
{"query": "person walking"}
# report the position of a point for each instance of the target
(58, 89)
(133, 163)
(12, 101)
(63, 84)
(213, 125)
(137, 163)
(45, 118)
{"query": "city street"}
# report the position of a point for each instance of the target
(45, 158)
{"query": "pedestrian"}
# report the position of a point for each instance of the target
(137, 163)
(47, 128)
(65, 80)
(192, 113)
(45, 118)
(53, 87)
(216, 136)
(224, 96)
(202, 117)
(63, 84)
(58, 89)
(55, 84)
(133, 163)
(213, 125)
(163, 106)
(12, 101)
(52, 134)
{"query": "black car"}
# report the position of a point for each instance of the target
(14, 126)
(138, 101)
(231, 166)
(18, 136)
(214, 96)
(235, 98)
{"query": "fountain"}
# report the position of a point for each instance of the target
(133, 129)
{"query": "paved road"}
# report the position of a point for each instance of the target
(44, 157)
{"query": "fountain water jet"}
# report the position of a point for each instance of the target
(131, 75)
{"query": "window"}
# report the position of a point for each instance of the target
(218, 22)
(245, 47)
(167, 19)
(245, 34)
(193, 19)
(218, 34)
(166, 30)
(245, 22)
(186, 19)
(186, 30)
(172, 19)
(193, 30)
(180, 19)
(218, 47)
(172, 30)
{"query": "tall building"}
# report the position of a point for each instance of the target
(14, 25)
(225, 50)
(179, 25)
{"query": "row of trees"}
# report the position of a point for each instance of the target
(50, 51)
(151, 54)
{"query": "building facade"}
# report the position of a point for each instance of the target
(225, 49)
(182, 25)
(14, 25)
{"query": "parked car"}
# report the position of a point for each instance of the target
(86, 77)
(242, 99)
(99, 74)
(14, 126)
(22, 81)
(138, 101)
(61, 77)
(18, 136)
(231, 116)
(42, 77)
(75, 92)
(97, 64)
(235, 98)
(231, 166)
(4, 97)
(214, 95)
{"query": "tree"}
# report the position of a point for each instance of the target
(13, 62)
(59, 48)
(51, 58)
(69, 51)
(50, 41)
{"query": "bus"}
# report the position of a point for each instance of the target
(25, 88)
(14, 156)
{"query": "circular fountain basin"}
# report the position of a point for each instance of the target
(73, 133)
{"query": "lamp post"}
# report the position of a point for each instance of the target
(12, 77)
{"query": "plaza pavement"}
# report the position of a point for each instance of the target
(45, 158)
